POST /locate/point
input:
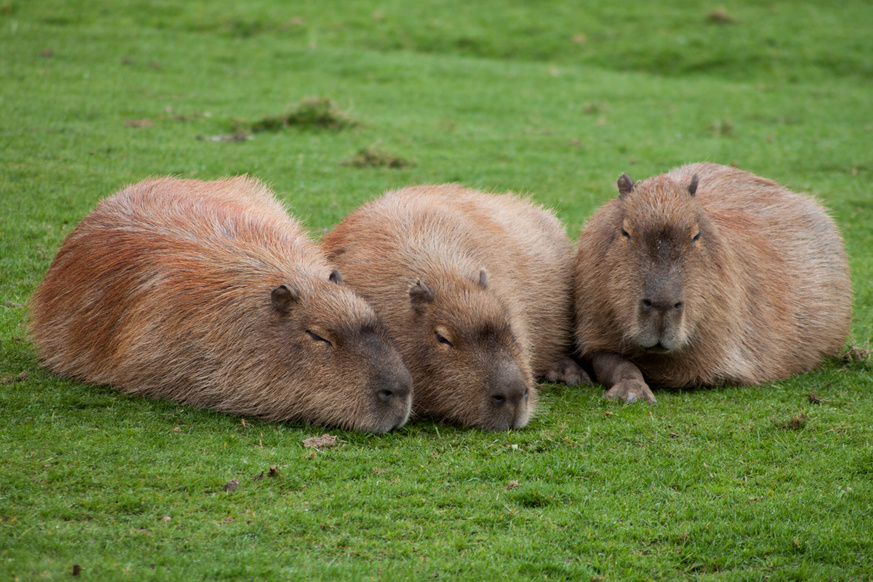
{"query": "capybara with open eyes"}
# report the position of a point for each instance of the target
(474, 288)
(707, 276)
(209, 293)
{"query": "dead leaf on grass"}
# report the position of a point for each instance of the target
(232, 485)
(77, 569)
(274, 470)
(138, 123)
(839, 428)
(239, 136)
(511, 485)
(720, 16)
(295, 22)
(318, 443)
(259, 476)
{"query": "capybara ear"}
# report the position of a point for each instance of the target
(420, 296)
(335, 277)
(625, 185)
(483, 279)
(283, 297)
(692, 187)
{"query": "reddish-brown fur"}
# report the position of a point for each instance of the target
(762, 293)
(209, 293)
(474, 288)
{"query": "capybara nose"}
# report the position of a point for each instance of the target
(397, 388)
(664, 306)
(511, 394)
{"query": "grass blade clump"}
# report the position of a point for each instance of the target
(376, 157)
(856, 355)
(316, 113)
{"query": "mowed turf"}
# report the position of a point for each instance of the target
(550, 99)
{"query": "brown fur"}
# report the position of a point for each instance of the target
(762, 294)
(475, 289)
(209, 293)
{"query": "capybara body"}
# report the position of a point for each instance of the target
(209, 293)
(474, 288)
(708, 275)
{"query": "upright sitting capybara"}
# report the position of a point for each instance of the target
(705, 276)
(208, 293)
(474, 288)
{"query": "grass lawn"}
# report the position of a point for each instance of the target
(552, 99)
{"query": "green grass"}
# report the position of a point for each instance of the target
(552, 99)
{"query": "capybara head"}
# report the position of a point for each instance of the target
(464, 357)
(330, 340)
(209, 293)
(658, 244)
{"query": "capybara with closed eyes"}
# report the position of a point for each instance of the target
(209, 293)
(474, 288)
(706, 276)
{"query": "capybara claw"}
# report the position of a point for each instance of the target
(568, 371)
(631, 392)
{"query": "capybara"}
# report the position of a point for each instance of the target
(476, 291)
(708, 276)
(209, 293)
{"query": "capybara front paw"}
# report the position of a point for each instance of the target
(568, 371)
(631, 391)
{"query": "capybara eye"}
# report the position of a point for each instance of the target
(499, 400)
(443, 340)
(526, 394)
(695, 238)
(318, 338)
(625, 233)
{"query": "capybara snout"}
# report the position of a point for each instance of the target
(507, 397)
(209, 293)
(661, 309)
(390, 381)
